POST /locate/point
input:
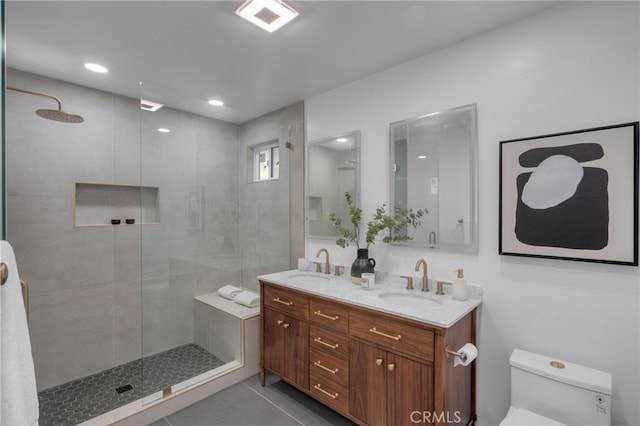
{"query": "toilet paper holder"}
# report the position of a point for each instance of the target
(448, 351)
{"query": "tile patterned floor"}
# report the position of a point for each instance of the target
(80, 400)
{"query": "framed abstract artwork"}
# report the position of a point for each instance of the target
(571, 195)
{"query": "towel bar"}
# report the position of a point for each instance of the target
(25, 297)
(4, 275)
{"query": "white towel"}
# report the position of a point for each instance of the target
(229, 291)
(18, 394)
(247, 298)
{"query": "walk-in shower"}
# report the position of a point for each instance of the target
(120, 230)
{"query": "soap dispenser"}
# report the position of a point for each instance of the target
(460, 289)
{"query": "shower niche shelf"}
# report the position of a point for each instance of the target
(97, 204)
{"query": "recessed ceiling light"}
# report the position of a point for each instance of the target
(150, 106)
(215, 102)
(342, 140)
(163, 130)
(422, 157)
(96, 68)
(269, 15)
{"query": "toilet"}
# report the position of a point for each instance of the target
(547, 391)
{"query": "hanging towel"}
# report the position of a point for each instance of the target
(18, 394)
(229, 291)
(247, 298)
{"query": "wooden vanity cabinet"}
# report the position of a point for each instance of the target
(329, 360)
(286, 350)
(372, 367)
(386, 388)
(285, 335)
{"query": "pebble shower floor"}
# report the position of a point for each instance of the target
(80, 400)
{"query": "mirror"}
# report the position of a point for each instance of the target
(332, 168)
(434, 167)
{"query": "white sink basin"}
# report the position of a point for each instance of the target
(413, 300)
(310, 278)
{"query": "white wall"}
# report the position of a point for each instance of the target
(571, 67)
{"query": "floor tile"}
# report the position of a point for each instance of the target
(237, 405)
(301, 406)
(249, 404)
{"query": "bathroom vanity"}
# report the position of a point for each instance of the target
(377, 357)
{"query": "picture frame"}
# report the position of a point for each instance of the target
(571, 195)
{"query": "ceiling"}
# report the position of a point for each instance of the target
(186, 52)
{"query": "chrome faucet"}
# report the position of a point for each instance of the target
(425, 279)
(327, 267)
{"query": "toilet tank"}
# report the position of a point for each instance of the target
(569, 393)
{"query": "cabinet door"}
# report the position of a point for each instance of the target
(410, 392)
(296, 351)
(286, 346)
(274, 348)
(367, 389)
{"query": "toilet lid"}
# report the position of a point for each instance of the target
(522, 417)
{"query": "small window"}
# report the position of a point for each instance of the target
(265, 159)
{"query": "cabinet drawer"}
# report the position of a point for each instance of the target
(332, 368)
(330, 315)
(392, 334)
(330, 393)
(328, 342)
(287, 301)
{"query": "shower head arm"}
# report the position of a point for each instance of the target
(43, 95)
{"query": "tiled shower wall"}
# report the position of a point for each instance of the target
(84, 282)
(272, 212)
(103, 296)
(194, 167)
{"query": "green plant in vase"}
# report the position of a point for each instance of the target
(395, 226)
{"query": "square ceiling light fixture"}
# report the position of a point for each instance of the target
(270, 15)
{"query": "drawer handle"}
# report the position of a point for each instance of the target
(286, 325)
(391, 367)
(320, 314)
(277, 299)
(318, 364)
(380, 333)
(330, 395)
(279, 322)
(322, 342)
(379, 362)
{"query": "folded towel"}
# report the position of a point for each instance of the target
(247, 298)
(229, 291)
(18, 394)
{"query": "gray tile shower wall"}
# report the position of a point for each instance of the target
(91, 286)
(80, 281)
(272, 212)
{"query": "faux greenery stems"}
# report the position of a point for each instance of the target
(382, 220)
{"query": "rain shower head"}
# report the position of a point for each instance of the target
(59, 115)
(51, 114)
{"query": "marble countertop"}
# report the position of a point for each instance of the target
(388, 296)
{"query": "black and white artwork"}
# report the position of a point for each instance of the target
(572, 195)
